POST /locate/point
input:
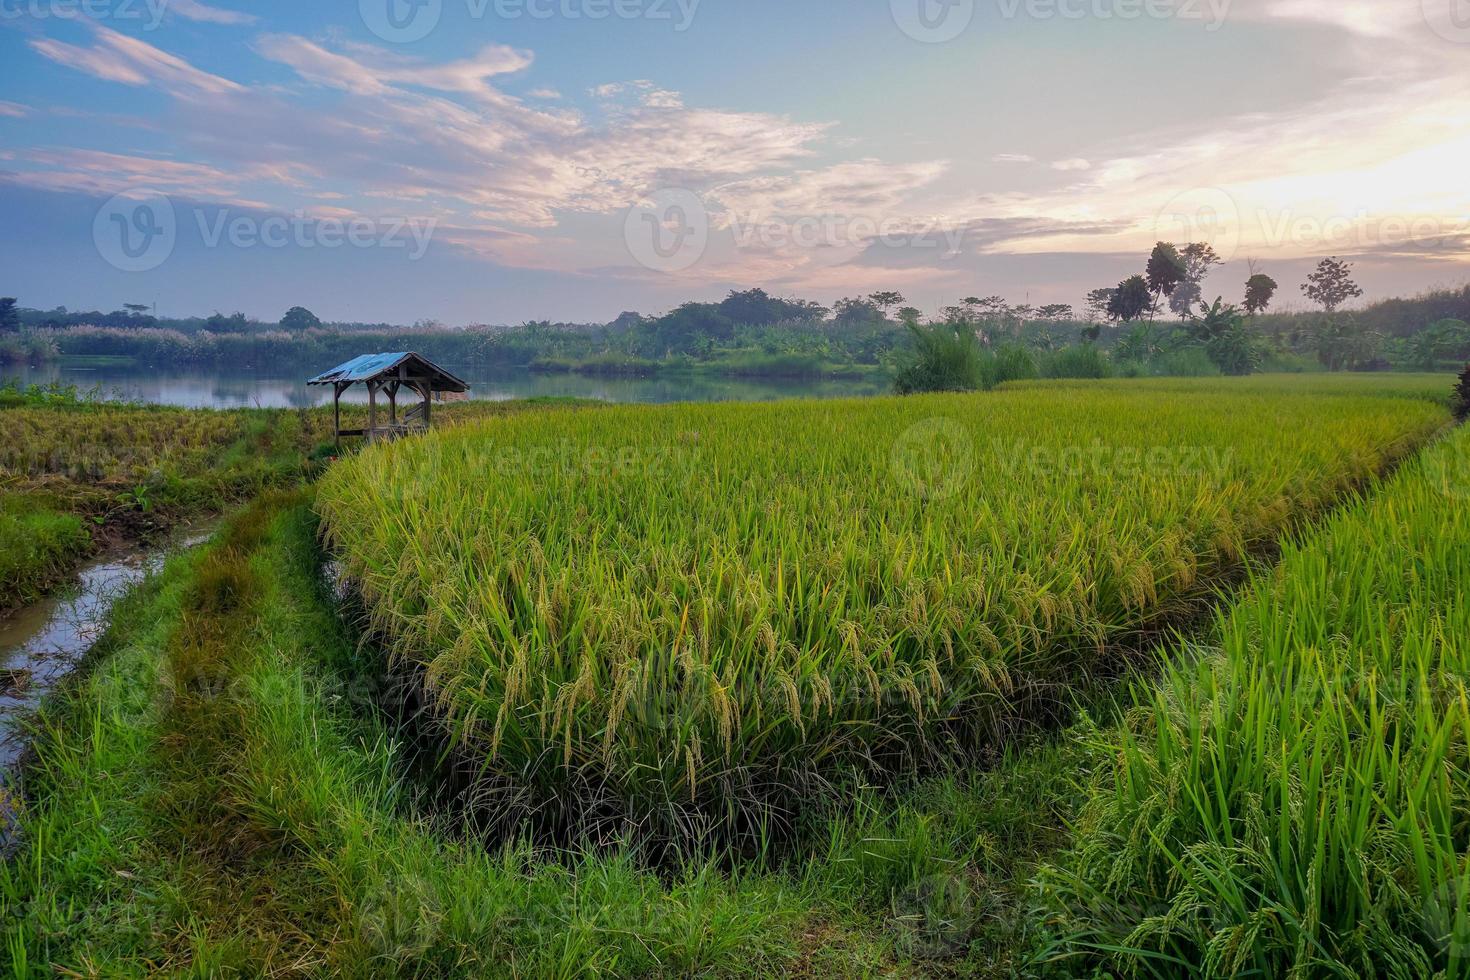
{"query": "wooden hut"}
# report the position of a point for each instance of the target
(388, 374)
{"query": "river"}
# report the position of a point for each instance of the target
(44, 642)
(286, 387)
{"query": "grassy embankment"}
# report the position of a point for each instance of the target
(78, 475)
(221, 715)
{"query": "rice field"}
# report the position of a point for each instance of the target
(78, 475)
(701, 617)
(1295, 803)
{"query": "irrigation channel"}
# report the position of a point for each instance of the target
(41, 644)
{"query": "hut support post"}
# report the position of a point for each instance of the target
(372, 387)
(337, 412)
(392, 388)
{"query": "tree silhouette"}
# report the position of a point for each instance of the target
(299, 318)
(1259, 291)
(1166, 270)
(1332, 284)
(1131, 300)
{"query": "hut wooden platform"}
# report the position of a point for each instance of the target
(388, 374)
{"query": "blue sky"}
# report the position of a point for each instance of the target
(491, 161)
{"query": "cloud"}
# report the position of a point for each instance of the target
(119, 58)
(195, 10)
(546, 186)
(443, 136)
(374, 70)
(642, 92)
(868, 188)
(13, 110)
(98, 172)
(1368, 18)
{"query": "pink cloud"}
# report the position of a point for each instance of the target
(119, 58)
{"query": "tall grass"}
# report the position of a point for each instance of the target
(38, 546)
(1296, 803)
(703, 615)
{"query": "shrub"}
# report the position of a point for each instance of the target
(947, 357)
(1081, 361)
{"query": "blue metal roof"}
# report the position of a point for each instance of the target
(360, 368)
(370, 366)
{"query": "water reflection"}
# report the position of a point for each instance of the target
(267, 388)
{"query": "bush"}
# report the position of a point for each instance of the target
(1186, 362)
(1082, 361)
(1285, 362)
(1013, 362)
(947, 357)
(28, 348)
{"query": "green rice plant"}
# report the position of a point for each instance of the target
(38, 546)
(1298, 803)
(697, 617)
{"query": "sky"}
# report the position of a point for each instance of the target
(496, 161)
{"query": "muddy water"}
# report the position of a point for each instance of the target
(42, 643)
